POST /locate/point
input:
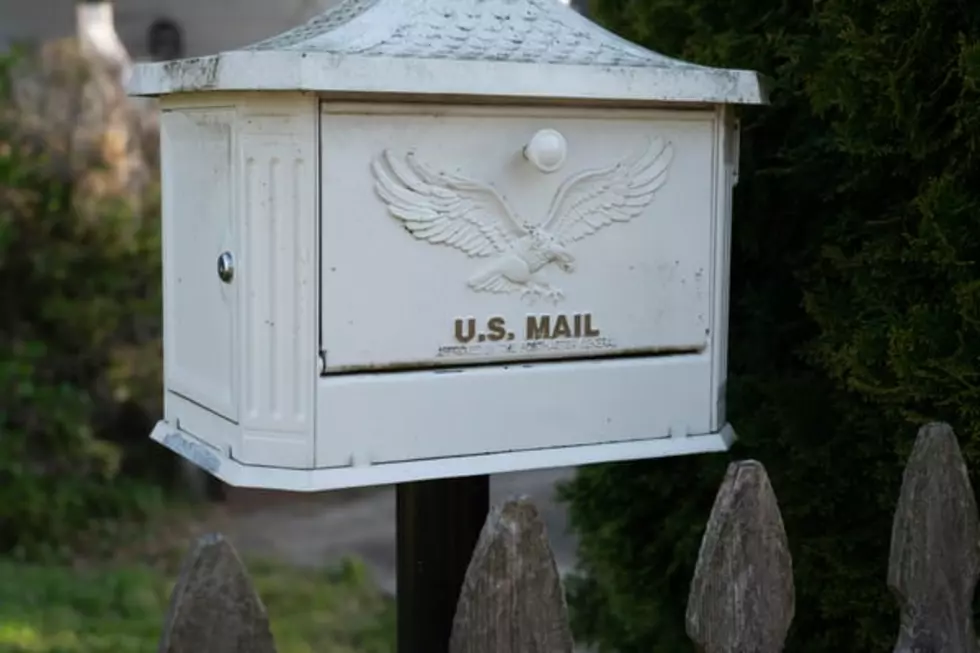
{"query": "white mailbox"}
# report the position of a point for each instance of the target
(427, 238)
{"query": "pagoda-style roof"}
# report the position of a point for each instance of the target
(502, 48)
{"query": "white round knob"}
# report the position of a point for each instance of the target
(546, 150)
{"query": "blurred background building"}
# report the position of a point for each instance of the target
(168, 29)
(163, 29)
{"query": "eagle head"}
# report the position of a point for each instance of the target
(546, 243)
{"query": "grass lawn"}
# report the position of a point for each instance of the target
(118, 606)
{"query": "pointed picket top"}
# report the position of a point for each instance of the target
(214, 607)
(512, 599)
(934, 561)
(513, 48)
(742, 596)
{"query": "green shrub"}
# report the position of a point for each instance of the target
(79, 333)
(854, 309)
(121, 608)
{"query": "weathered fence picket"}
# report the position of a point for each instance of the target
(742, 594)
(214, 608)
(934, 561)
(512, 598)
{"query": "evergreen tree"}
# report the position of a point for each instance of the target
(855, 308)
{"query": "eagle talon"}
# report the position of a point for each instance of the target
(530, 295)
(537, 291)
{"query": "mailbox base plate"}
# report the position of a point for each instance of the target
(224, 467)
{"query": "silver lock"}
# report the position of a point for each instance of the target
(226, 267)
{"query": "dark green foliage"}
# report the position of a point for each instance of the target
(79, 293)
(855, 308)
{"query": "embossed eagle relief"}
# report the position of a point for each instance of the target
(472, 216)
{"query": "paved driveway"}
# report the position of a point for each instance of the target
(322, 528)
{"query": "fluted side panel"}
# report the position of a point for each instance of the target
(278, 196)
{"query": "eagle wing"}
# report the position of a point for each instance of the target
(444, 208)
(593, 199)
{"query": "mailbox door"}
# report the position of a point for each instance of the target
(444, 245)
(476, 303)
(200, 293)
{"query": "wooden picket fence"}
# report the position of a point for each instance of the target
(741, 599)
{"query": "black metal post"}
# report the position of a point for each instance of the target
(438, 524)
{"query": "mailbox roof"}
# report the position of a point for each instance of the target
(496, 48)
